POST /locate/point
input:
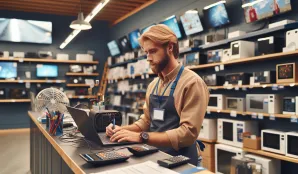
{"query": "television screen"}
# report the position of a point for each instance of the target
(191, 22)
(124, 44)
(113, 47)
(8, 70)
(18, 30)
(255, 10)
(216, 15)
(46, 70)
(146, 28)
(172, 23)
(133, 38)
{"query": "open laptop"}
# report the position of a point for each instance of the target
(85, 126)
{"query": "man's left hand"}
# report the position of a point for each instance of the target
(126, 135)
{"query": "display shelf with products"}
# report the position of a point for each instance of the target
(279, 85)
(37, 60)
(128, 61)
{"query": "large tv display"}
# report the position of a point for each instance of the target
(46, 70)
(216, 15)
(30, 31)
(133, 38)
(191, 22)
(124, 44)
(8, 70)
(172, 23)
(113, 47)
(255, 10)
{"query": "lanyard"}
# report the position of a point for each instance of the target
(160, 97)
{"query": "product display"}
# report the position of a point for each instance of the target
(264, 77)
(264, 103)
(81, 91)
(242, 49)
(289, 105)
(214, 56)
(286, 73)
(84, 57)
(18, 94)
(269, 45)
(274, 141)
(114, 48)
(76, 80)
(217, 101)
(213, 80)
(207, 129)
(235, 104)
(62, 57)
(226, 55)
(237, 78)
(267, 165)
(172, 23)
(4, 54)
(18, 54)
(75, 68)
(292, 39)
(31, 55)
(291, 144)
(191, 22)
(192, 59)
(133, 38)
(2, 93)
(45, 54)
(216, 15)
(46, 70)
(213, 38)
(8, 70)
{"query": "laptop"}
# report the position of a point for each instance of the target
(85, 126)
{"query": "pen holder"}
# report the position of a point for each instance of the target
(56, 126)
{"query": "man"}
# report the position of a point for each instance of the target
(175, 103)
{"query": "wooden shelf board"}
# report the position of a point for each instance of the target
(48, 60)
(82, 97)
(206, 140)
(252, 86)
(32, 81)
(15, 100)
(272, 155)
(79, 85)
(82, 74)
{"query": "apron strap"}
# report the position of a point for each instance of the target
(173, 87)
(155, 86)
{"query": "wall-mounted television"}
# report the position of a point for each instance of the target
(191, 22)
(113, 47)
(133, 38)
(46, 70)
(8, 70)
(146, 28)
(30, 31)
(255, 10)
(172, 23)
(216, 15)
(124, 44)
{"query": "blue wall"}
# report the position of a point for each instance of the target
(14, 115)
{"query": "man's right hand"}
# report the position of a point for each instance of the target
(109, 130)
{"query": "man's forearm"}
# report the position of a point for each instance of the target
(160, 139)
(132, 127)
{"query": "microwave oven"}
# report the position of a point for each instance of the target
(230, 131)
(291, 144)
(290, 105)
(235, 103)
(217, 101)
(269, 165)
(223, 157)
(273, 141)
(264, 103)
(208, 129)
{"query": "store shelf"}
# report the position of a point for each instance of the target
(15, 100)
(49, 61)
(187, 50)
(206, 140)
(253, 86)
(272, 155)
(128, 61)
(250, 113)
(82, 74)
(32, 81)
(79, 85)
(82, 97)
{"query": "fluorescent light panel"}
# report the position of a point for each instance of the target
(87, 19)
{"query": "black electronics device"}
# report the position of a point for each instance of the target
(31, 55)
(81, 91)
(264, 77)
(270, 45)
(142, 150)
(103, 118)
(213, 80)
(18, 94)
(214, 56)
(76, 80)
(2, 93)
(104, 158)
(173, 161)
(234, 78)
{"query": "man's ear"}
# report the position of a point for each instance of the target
(170, 47)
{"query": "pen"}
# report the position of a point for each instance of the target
(113, 123)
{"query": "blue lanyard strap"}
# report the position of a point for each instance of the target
(173, 87)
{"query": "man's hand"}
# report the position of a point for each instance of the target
(110, 132)
(126, 135)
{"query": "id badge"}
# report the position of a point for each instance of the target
(158, 114)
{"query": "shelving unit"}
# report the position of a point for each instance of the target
(128, 61)
(82, 74)
(15, 100)
(79, 85)
(82, 97)
(48, 61)
(253, 86)
(32, 81)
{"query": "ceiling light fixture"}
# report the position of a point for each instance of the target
(91, 15)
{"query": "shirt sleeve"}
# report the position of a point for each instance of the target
(194, 104)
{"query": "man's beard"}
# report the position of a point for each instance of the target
(157, 68)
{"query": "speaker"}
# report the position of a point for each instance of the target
(101, 119)
(269, 45)
(18, 94)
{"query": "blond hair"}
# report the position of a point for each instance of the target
(161, 34)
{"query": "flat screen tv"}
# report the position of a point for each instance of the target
(8, 70)
(113, 47)
(146, 28)
(133, 38)
(46, 70)
(216, 15)
(191, 22)
(30, 31)
(172, 23)
(124, 44)
(255, 10)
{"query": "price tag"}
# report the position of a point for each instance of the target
(254, 115)
(240, 82)
(81, 97)
(229, 87)
(27, 85)
(13, 101)
(39, 66)
(260, 116)
(218, 111)
(58, 81)
(237, 88)
(233, 114)
(275, 87)
(208, 111)
(293, 119)
(266, 73)
(133, 76)
(272, 117)
(244, 89)
(292, 84)
(281, 87)
(21, 60)
(147, 76)
(264, 86)
(222, 67)
(49, 81)
(226, 83)
(216, 68)
(38, 85)
(142, 76)
(21, 81)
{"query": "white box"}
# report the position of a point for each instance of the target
(268, 137)
(242, 49)
(226, 55)
(84, 57)
(208, 129)
(217, 101)
(5, 54)
(280, 23)
(292, 39)
(269, 165)
(236, 34)
(62, 57)
(18, 54)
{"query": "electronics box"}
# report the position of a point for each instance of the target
(269, 165)
(291, 144)
(274, 141)
(287, 73)
(226, 55)
(208, 129)
(292, 39)
(213, 38)
(235, 103)
(264, 103)
(230, 131)
(84, 57)
(250, 143)
(269, 45)
(62, 57)
(236, 78)
(236, 34)
(264, 77)
(242, 49)
(213, 80)
(214, 56)
(18, 54)
(290, 105)
(217, 101)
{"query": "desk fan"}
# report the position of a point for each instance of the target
(52, 99)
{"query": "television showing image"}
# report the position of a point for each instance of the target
(172, 23)
(191, 22)
(30, 31)
(255, 10)
(113, 47)
(124, 44)
(133, 38)
(216, 15)
(146, 28)
(8, 70)
(46, 70)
